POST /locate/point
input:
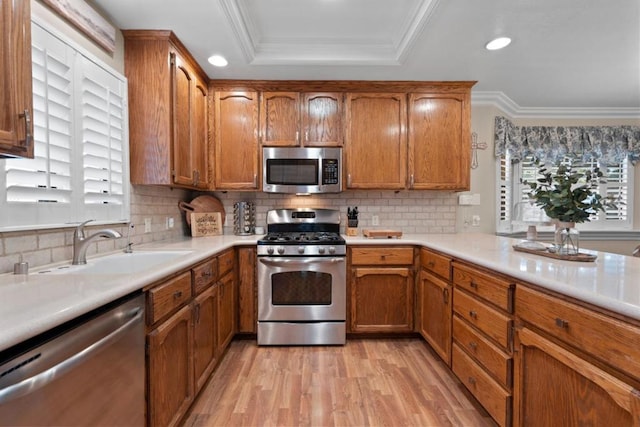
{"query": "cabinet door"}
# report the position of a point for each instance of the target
(236, 141)
(16, 97)
(200, 135)
(205, 316)
(382, 300)
(376, 143)
(554, 387)
(182, 103)
(439, 142)
(226, 310)
(280, 118)
(170, 369)
(435, 314)
(247, 290)
(322, 119)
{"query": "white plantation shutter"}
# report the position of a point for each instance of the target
(617, 184)
(102, 136)
(80, 165)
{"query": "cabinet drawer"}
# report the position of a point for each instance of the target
(225, 262)
(496, 290)
(494, 324)
(204, 275)
(165, 298)
(381, 256)
(495, 399)
(435, 263)
(605, 338)
(495, 361)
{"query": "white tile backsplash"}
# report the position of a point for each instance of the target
(409, 211)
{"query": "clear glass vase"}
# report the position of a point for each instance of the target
(567, 238)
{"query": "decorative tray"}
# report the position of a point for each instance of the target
(581, 256)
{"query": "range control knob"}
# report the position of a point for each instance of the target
(300, 249)
(280, 250)
(332, 250)
(270, 250)
(321, 250)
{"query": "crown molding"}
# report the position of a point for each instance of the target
(509, 107)
(260, 49)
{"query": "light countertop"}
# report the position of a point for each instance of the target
(33, 303)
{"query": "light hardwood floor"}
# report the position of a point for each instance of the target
(367, 382)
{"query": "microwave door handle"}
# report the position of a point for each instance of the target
(305, 261)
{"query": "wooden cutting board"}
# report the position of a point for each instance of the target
(202, 204)
(382, 234)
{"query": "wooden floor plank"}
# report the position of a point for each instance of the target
(367, 382)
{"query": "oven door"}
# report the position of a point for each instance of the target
(301, 289)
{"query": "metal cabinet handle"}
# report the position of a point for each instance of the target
(28, 136)
(297, 136)
(445, 296)
(255, 180)
(411, 181)
(561, 323)
(474, 285)
(473, 314)
(177, 294)
(431, 264)
(472, 381)
(306, 136)
(349, 180)
(473, 345)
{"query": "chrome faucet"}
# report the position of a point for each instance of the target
(81, 243)
(636, 251)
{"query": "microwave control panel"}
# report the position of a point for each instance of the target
(330, 171)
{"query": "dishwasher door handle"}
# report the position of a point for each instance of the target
(43, 378)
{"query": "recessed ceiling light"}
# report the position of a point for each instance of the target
(498, 43)
(218, 61)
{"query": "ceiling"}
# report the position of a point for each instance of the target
(578, 55)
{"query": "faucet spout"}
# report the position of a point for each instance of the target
(81, 243)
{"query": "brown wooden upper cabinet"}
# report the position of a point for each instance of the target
(376, 140)
(235, 130)
(16, 96)
(439, 141)
(301, 118)
(167, 111)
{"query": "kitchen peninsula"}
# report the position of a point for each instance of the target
(584, 316)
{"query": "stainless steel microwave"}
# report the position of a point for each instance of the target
(301, 170)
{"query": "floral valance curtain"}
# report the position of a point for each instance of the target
(609, 144)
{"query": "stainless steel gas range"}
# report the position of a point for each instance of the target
(302, 279)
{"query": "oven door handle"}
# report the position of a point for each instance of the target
(304, 261)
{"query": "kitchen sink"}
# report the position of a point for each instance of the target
(120, 263)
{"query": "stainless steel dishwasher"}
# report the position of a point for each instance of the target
(88, 372)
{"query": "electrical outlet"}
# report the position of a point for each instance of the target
(475, 220)
(168, 223)
(147, 225)
(375, 220)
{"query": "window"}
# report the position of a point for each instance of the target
(80, 165)
(618, 185)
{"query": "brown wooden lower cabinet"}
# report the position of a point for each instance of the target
(205, 343)
(382, 299)
(435, 313)
(226, 310)
(247, 290)
(554, 387)
(493, 397)
(170, 369)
